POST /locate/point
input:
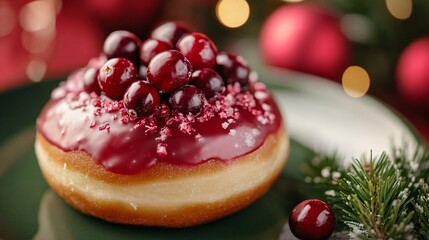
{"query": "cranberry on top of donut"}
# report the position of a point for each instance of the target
(173, 94)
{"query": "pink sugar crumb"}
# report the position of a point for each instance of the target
(161, 149)
(96, 102)
(198, 137)
(256, 112)
(104, 126)
(246, 100)
(258, 86)
(207, 113)
(225, 125)
(112, 106)
(232, 132)
(115, 117)
(233, 88)
(123, 112)
(266, 107)
(97, 112)
(164, 134)
(261, 95)
(125, 120)
(185, 127)
(150, 125)
(262, 119)
(164, 111)
(140, 123)
(93, 125)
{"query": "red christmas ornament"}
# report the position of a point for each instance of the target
(412, 73)
(307, 38)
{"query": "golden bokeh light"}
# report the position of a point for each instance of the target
(232, 13)
(400, 9)
(356, 81)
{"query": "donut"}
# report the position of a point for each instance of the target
(170, 133)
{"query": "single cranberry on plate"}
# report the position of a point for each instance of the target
(90, 80)
(198, 49)
(208, 81)
(168, 71)
(123, 44)
(116, 76)
(312, 220)
(188, 99)
(170, 32)
(232, 68)
(150, 48)
(141, 99)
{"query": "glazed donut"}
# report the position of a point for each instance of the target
(161, 149)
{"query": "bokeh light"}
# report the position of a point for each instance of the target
(232, 13)
(356, 81)
(7, 18)
(38, 20)
(37, 15)
(400, 9)
(36, 70)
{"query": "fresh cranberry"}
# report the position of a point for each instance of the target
(198, 49)
(170, 32)
(141, 99)
(188, 99)
(90, 80)
(150, 48)
(208, 81)
(122, 44)
(232, 68)
(168, 71)
(312, 219)
(116, 76)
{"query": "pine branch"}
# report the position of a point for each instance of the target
(378, 198)
(421, 205)
(375, 201)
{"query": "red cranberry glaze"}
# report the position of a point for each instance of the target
(123, 44)
(232, 68)
(132, 124)
(312, 219)
(170, 32)
(198, 49)
(150, 48)
(236, 122)
(168, 71)
(90, 80)
(141, 99)
(208, 80)
(116, 76)
(187, 99)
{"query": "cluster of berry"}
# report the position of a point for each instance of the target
(181, 67)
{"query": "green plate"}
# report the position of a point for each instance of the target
(29, 209)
